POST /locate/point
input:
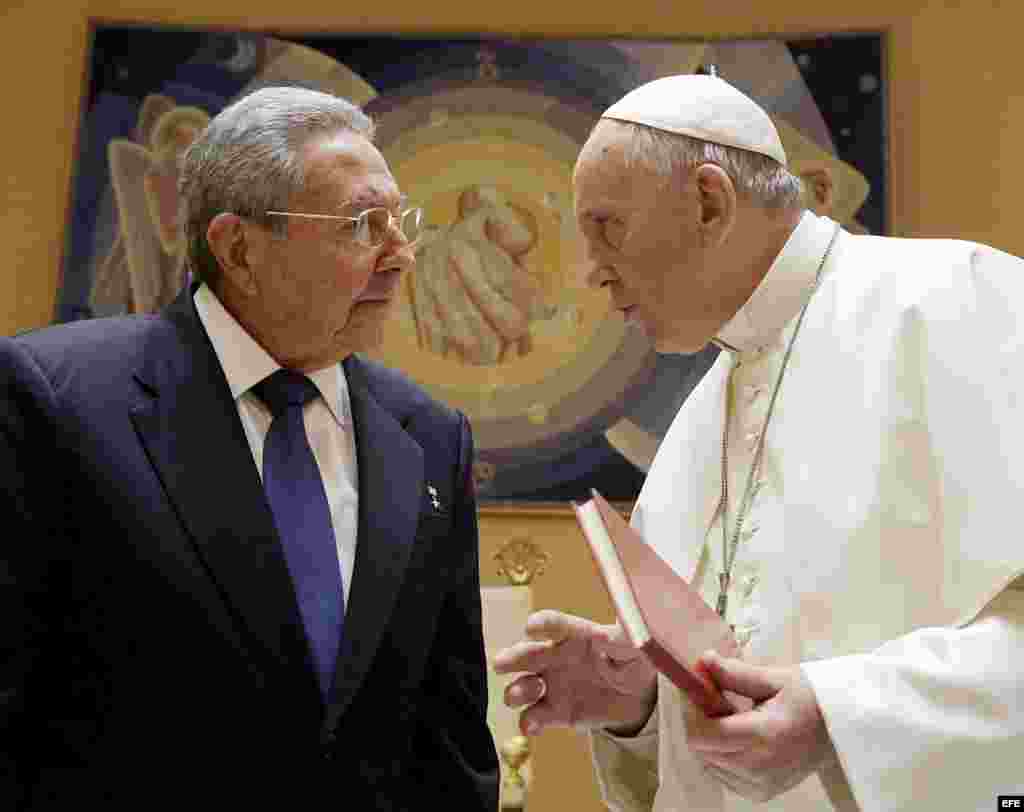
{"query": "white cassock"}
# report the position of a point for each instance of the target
(883, 547)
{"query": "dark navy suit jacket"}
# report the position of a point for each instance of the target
(151, 649)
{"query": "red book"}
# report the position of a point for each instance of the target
(660, 612)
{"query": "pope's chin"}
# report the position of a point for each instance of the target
(633, 322)
(677, 345)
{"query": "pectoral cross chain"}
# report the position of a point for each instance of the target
(723, 596)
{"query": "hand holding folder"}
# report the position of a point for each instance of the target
(660, 612)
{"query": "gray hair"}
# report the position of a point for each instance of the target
(248, 160)
(761, 179)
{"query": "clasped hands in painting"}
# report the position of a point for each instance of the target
(473, 294)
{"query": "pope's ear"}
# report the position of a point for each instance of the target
(228, 238)
(819, 189)
(717, 198)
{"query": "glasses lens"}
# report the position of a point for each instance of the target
(373, 225)
(412, 224)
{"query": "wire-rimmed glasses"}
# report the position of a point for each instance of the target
(370, 228)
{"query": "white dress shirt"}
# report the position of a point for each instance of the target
(328, 419)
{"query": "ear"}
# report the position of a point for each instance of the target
(819, 189)
(229, 238)
(716, 197)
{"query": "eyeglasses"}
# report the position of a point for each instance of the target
(370, 228)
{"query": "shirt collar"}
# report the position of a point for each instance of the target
(786, 287)
(246, 363)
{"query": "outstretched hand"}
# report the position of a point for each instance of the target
(774, 746)
(580, 674)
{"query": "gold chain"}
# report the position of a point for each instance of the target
(731, 545)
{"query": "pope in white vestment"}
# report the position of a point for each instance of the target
(874, 388)
(881, 542)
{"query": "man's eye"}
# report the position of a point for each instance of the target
(614, 231)
(607, 229)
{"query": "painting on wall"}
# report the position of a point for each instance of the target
(483, 133)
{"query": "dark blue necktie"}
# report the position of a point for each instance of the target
(297, 498)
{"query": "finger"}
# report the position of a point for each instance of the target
(525, 690)
(509, 229)
(445, 292)
(432, 285)
(427, 315)
(546, 714)
(558, 627)
(756, 682)
(527, 655)
(459, 301)
(508, 277)
(533, 720)
(468, 264)
(554, 626)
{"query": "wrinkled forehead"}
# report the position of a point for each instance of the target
(606, 148)
(602, 168)
(608, 138)
(347, 168)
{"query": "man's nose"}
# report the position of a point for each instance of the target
(593, 270)
(401, 261)
(397, 245)
(597, 274)
(394, 236)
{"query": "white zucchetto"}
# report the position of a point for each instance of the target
(703, 107)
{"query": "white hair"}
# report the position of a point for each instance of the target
(760, 178)
(248, 160)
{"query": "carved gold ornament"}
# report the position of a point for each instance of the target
(520, 561)
(515, 752)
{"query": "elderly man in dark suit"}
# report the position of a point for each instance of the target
(239, 562)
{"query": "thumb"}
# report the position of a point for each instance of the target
(729, 674)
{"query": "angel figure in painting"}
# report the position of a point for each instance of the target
(145, 268)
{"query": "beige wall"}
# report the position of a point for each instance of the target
(955, 102)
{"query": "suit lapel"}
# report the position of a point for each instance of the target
(195, 441)
(390, 494)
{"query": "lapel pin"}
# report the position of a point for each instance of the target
(433, 497)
